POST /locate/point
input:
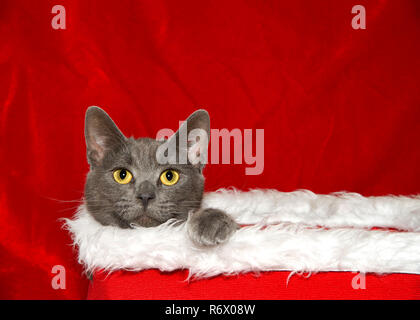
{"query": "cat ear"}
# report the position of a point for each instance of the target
(193, 137)
(101, 135)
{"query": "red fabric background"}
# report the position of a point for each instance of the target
(340, 109)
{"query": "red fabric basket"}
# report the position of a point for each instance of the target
(152, 284)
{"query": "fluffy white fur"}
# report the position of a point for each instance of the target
(305, 207)
(294, 244)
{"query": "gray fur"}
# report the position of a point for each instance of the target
(209, 226)
(145, 201)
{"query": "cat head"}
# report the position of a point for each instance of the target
(128, 183)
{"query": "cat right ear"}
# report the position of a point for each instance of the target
(101, 135)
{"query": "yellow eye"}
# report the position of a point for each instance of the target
(169, 177)
(122, 176)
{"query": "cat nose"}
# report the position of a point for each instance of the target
(145, 198)
(146, 192)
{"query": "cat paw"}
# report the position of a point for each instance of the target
(210, 227)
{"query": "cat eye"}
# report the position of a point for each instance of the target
(169, 177)
(122, 176)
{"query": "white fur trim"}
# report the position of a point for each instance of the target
(286, 246)
(303, 206)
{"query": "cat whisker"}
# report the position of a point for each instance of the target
(65, 201)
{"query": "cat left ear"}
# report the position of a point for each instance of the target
(191, 140)
(197, 128)
(101, 135)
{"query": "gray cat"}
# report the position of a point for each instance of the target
(127, 186)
